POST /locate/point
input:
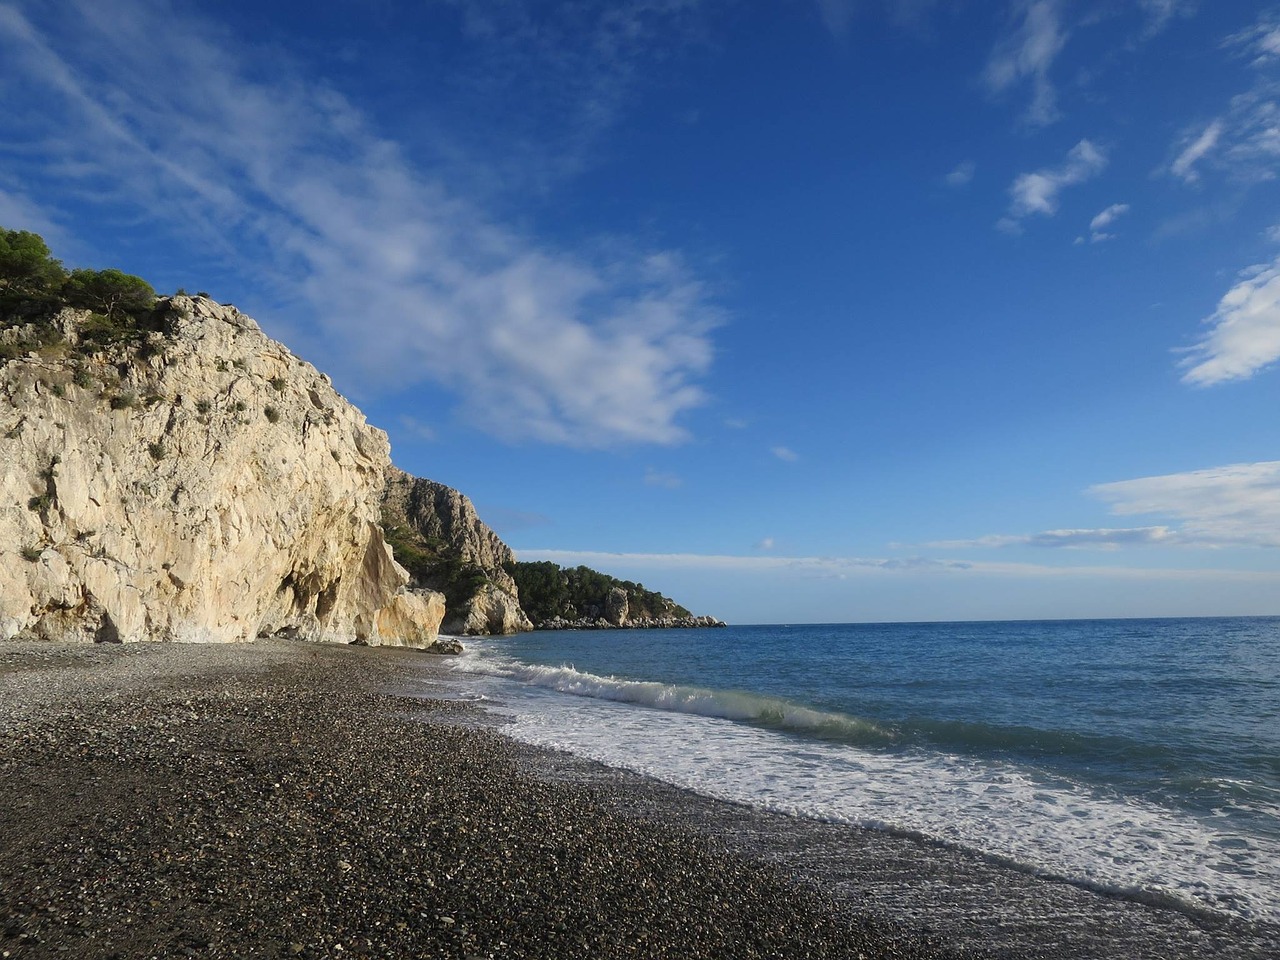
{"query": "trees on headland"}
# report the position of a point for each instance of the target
(548, 591)
(34, 286)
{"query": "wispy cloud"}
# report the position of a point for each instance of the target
(19, 212)
(1103, 537)
(845, 568)
(815, 566)
(764, 543)
(1038, 192)
(416, 428)
(1244, 334)
(1243, 141)
(1099, 224)
(1238, 504)
(785, 454)
(1160, 12)
(962, 175)
(589, 347)
(1184, 165)
(1230, 506)
(1026, 54)
(658, 478)
(1259, 42)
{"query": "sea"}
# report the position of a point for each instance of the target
(1138, 758)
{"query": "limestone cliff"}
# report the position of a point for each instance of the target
(197, 483)
(445, 545)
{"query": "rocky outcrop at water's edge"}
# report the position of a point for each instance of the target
(196, 483)
(644, 623)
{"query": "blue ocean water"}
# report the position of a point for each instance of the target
(1138, 756)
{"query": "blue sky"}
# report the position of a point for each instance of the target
(805, 311)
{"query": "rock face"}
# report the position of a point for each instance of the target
(206, 486)
(616, 606)
(459, 554)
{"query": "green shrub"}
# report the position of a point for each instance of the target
(272, 414)
(81, 377)
(40, 504)
(31, 553)
(203, 406)
(278, 383)
(124, 401)
(27, 268)
(112, 292)
(157, 450)
(240, 406)
(100, 330)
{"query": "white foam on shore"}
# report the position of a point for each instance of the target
(695, 739)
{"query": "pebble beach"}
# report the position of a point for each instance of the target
(282, 799)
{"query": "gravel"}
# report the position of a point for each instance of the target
(283, 799)
(272, 800)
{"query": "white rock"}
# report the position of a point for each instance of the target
(237, 496)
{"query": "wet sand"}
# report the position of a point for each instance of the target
(283, 799)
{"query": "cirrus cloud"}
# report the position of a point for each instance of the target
(1038, 192)
(1244, 334)
(399, 278)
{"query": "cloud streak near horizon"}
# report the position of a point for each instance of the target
(842, 568)
(405, 279)
(1237, 505)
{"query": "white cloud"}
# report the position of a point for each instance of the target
(1235, 505)
(1244, 335)
(1100, 538)
(1260, 41)
(1231, 506)
(785, 453)
(1183, 165)
(962, 174)
(1027, 53)
(405, 279)
(1098, 225)
(656, 478)
(1108, 216)
(416, 428)
(1037, 193)
(19, 212)
(765, 543)
(815, 566)
(1160, 12)
(841, 568)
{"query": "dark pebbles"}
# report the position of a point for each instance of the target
(270, 801)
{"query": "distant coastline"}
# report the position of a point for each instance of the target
(641, 623)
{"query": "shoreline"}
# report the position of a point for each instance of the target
(283, 798)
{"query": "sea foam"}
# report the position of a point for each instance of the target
(784, 757)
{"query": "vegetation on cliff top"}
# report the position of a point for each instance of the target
(34, 286)
(548, 590)
(433, 564)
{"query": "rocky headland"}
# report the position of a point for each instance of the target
(640, 623)
(193, 482)
(169, 472)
